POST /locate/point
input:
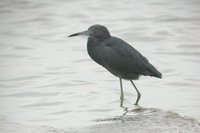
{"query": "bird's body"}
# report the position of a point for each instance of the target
(117, 56)
(120, 58)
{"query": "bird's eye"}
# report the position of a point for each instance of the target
(93, 30)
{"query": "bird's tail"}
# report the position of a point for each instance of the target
(152, 71)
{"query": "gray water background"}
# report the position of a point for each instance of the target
(49, 79)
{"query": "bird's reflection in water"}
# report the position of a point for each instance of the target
(134, 113)
(134, 109)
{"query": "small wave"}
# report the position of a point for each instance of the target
(147, 120)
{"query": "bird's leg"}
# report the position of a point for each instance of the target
(122, 93)
(138, 93)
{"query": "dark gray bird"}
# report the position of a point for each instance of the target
(117, 56)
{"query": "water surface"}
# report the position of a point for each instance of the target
(47, 79)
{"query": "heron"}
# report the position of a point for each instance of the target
(118, 57)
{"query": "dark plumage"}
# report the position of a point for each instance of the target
(117, 56)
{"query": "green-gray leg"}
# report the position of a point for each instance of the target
(138, 93)
(122, 93)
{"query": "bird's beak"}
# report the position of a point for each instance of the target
(80, 33)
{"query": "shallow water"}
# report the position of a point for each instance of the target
(47, 79)
(144, 120)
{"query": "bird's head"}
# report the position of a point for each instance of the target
(97, 31)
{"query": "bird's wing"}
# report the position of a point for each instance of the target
(120, 56)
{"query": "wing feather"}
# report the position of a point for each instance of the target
(122, 57)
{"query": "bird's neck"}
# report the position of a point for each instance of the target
(93, 42)
(93, 46)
